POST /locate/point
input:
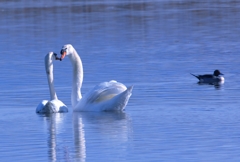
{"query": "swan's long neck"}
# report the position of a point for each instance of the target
(77, 77)
(49, 71)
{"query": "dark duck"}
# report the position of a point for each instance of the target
(216, 77)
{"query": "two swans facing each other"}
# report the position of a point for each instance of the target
(54, 105)
(106, 96)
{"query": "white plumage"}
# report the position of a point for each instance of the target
(106, 96)
(54, 105)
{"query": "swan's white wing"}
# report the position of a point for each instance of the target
(41, 106)
(104, 91)
(58, 106)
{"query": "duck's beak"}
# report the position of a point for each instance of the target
(221, 74)
(63, 54)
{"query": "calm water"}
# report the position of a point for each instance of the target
(153, 45)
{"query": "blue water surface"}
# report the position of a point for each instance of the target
(151, 44)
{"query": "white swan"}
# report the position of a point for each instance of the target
(54, 105)
(106, 96)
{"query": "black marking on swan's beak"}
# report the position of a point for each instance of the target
(63, 53)
(56, 57)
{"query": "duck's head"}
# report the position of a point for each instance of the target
(217, 73)
(66, 50)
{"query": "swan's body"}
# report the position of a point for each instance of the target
(211, 78)
(54, 105)
(106, 96)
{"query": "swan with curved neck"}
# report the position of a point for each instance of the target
(106, 96)
(54, 105)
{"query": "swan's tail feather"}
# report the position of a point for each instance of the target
(120, 101)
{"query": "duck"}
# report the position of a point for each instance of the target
(216, 77)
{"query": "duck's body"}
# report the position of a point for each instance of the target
(210, 78)
(54, 105)
(106, 96)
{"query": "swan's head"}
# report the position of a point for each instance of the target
(66, 50)
(54, 56)
(49, 58)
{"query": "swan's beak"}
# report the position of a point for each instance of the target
(63, 54)
(56, 57)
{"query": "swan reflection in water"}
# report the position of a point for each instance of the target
(54, 122)
(79, 138)
(100, 126)
(107, 125)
